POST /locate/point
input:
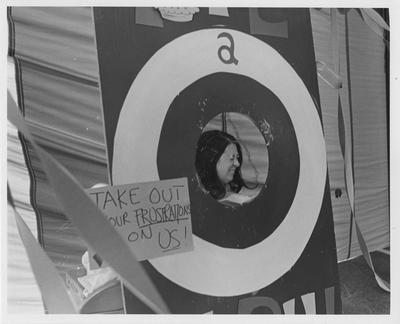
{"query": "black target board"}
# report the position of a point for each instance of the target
(164, 74)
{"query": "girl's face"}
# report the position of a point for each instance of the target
(227, 164)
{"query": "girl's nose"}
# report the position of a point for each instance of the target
(236, 162)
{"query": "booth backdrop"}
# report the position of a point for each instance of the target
(56, 73)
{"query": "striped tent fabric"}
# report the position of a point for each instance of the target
(53, 67)
(58, 92)
(22, 292)
(368, 85)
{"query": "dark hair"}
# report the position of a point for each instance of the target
(210, 147)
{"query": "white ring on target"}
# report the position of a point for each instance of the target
(210, 269)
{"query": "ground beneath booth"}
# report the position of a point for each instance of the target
(359, 289)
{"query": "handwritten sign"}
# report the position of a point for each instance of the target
(153, 218)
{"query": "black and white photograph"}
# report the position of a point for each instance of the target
(217, 160)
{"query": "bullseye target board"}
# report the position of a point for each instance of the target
(165, 74)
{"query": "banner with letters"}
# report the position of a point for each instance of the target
(168, 75)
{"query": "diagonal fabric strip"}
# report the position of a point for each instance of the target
(85, 215)
(328, 75)
(343, 147)
(382, 283)
(374, 21)
(342, 138)
(341, 128)
(335, 41)
(52, 287)
(376, 17)
(372, 24)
